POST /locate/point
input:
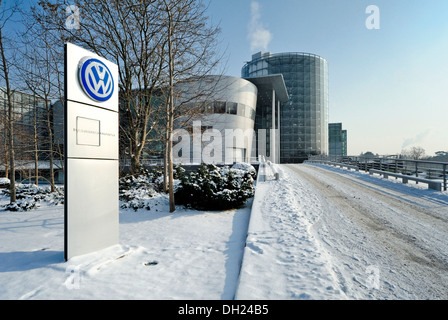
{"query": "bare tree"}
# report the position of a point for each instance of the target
(415, 153)
(6, 12)
(42, 70)
(158, 45)
(128, 33)
(191, 55)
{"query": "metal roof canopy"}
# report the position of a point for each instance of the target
(269, 82)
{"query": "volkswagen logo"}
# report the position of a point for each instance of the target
(96, 79)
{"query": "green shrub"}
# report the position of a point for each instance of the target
(21, 205)
(30, 195)
(135, 191)
(213, 188)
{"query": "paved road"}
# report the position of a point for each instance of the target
(386, 240)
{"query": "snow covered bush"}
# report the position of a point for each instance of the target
(29, 195)
(246, 167)
(4, 183)
(24, 191)
(135, 204)
(153, 176)
(55, 198)
(21, 205)
(213, 188)
(135, 191)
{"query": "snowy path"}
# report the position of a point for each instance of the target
(334, 234)
(283, 259)
(386, 240)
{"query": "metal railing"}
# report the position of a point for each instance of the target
(418, 168)
(266, 170)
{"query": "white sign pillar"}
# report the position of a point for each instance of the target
(90, 152)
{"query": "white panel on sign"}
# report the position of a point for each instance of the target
(91, 132)
(88, 132)
(93, 220)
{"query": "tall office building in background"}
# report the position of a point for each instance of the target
(337, 140)
(304, 117)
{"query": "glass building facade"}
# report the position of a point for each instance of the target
(29, 114)
(304, 118)
(337, 140)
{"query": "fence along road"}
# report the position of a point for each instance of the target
(393, 228)
(418, 168)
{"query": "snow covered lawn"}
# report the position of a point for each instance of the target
(184, 255)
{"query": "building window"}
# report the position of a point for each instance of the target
(209, 107)
(241, 110)
(232, 108)
(220, 106)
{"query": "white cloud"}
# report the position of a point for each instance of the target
(417, 140)
(432, 140)
(259, 36)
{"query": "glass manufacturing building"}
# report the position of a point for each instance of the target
(228, 109)
(272, 94)
(220, 104)
(282, 98)
(337, 140)
(30, 116)
(303, 119)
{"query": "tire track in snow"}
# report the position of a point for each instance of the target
(362, 227)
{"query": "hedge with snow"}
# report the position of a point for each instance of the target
(214, 188)
(208, 188)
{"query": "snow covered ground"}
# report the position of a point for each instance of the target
(184, 255)
(327, 233)
(382, 239)
(314, 234)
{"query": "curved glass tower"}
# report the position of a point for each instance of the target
(304, 118)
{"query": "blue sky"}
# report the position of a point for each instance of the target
(388, 86)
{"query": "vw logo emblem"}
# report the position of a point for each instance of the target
(96, 79)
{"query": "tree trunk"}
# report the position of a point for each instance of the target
(135, 152)
(165, 162)
(169, 147)
(50, 143)
(6, 162)
(36, 147)
(170, 168)
(12, 174)
(135, 164)
(170, 121)
(36, 161)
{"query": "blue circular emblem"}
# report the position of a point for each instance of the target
(96, 79)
